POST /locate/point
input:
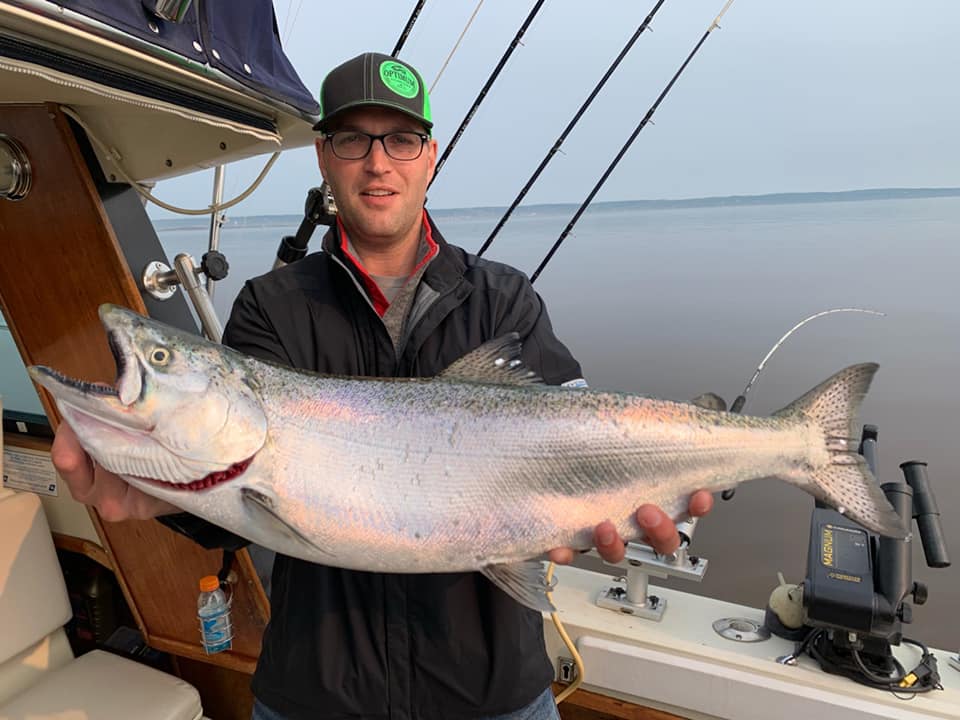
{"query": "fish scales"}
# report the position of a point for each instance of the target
(418, 504)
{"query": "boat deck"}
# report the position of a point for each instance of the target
(680, 665)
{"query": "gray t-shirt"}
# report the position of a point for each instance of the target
(399, 291)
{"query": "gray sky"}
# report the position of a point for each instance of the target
(819, 95)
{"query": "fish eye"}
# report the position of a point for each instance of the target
(160, 356)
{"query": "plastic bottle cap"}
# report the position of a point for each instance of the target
(209, 583)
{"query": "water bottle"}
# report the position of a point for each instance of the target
(213, 609)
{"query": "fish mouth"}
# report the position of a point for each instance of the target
(45, 375)
(106, 403)
(207, 482)
(92, 388)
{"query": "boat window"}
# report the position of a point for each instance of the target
(18, 393)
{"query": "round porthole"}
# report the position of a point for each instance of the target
(15, 174)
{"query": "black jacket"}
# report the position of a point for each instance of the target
(347, 644)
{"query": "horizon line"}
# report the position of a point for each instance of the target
(762, 198)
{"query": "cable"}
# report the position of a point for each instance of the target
(562, 632)
(115, 159)
(923, 678)
(485, 89)
(293, 23)
(873, 677)
(286, 19)
(455, 46)
(805, 644)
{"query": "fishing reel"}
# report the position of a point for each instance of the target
(851, 607)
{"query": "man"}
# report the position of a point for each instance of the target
(387, 297)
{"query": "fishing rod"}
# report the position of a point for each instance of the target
(486, 88)
(406, 30)
(633, 136)
(566, 131)
(741, 399)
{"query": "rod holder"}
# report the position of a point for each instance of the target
(927, 514)
(161, 281)
(188, 274)
(631, 595)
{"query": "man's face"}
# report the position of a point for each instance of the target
(379, 199)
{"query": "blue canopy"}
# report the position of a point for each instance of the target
(237, 37)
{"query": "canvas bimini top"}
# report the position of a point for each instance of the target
(227, 35)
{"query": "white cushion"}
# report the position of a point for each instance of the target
(27, 668)
(33, 596)
(103, 686)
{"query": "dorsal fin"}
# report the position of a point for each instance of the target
(497, 361)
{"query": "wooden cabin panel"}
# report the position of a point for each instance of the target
(587, 705)
(58, 252)
(59, 261)
(224, 693)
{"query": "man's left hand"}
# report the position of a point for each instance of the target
(658, 528)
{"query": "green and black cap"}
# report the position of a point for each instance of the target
(374, 80)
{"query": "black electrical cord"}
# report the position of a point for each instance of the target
(811, 637)
(878, 679)
(923, 678)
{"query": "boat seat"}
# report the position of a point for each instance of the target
(39, 677)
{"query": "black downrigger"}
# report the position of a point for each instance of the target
(851, 608)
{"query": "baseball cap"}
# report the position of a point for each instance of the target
(374, 80)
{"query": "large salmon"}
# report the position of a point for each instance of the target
(481, 468)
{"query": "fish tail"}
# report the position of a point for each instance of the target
(845, 482)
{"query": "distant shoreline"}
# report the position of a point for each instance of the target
(666, 204)
(773, 198)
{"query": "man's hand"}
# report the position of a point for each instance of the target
(114, 498)
(659, 531)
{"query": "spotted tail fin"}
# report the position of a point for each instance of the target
(845, 482)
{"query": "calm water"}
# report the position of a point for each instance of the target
(681, 301)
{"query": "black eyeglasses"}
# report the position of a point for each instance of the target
(355, 145)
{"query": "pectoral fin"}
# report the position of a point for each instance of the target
(263, 507)
(525, 582)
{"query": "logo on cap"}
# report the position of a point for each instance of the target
(399, 79)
